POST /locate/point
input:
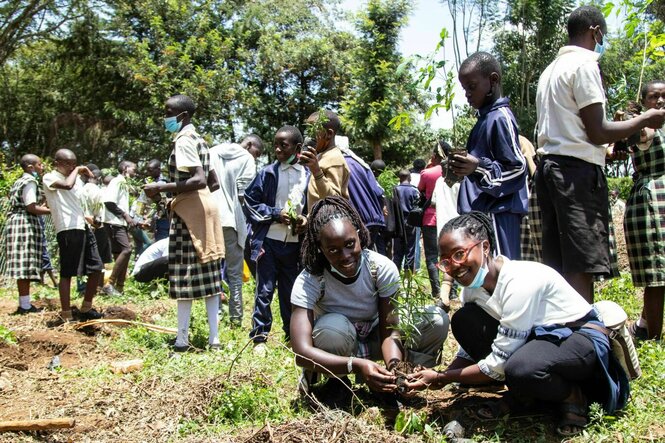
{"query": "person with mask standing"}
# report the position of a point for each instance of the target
(572, 135)
(196, 243)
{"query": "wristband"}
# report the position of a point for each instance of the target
(319, 176)
(349, 365)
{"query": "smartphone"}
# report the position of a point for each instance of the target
(451, 177)
(308, 145)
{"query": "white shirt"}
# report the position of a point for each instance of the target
(29, 192)
(66, 208)
(186, 152)
(357, 301)
(571, 82)
(527, 294)
(444, 200)
(291, 185)
(117, 192)
(91, 198)
(415, 178)
(156, 250)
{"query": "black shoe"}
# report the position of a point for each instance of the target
(638, 332)
(336, 393)
(92, 314)
(31, 310)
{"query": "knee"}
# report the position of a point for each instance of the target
(436, 324)
(519, 369)
(334, 333)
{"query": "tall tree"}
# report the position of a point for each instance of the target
(378, 90)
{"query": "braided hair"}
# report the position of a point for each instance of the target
(323, 212)
(475, 224)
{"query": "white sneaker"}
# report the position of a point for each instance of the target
(260, 349)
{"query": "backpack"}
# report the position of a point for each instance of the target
(621, 343)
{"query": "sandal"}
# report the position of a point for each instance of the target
(492, 410)
(573, 419)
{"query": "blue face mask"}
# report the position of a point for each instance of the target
(172, 124)
(362, 260)
(479, 279)
(600, 47)
(35, 174)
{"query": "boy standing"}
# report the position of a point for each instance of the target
(116, 203)
(408, 198)
(573, 131)
(494, 168)
(273, 202)
(76, 243)
(330, 173)
(23, 231)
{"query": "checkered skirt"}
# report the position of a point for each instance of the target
(23, 236)
(188, 277)
(531, 229)
(644, 220)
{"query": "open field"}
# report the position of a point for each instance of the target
(232, 395)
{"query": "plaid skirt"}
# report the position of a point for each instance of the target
(23, 239)
(188, 277)
(531, 229)
(644, 227)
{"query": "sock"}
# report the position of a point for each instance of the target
(642, 323)
(24, 301)
(86, 306)
(212, 308)
(66, 315)
(184, 313)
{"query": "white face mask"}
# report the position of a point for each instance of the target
(360, 265)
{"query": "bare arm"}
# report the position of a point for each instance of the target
(601, 131)
(70, 181)
(195, 182)
(391, 346)
(34, 208)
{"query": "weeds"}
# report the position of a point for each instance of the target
(7, 336)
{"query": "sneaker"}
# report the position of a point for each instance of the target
(215, 347)
(31, 310)
(111, 291)
(336, 393)
(92, 314)
(260, 349)
(181, 349)
(638, 332)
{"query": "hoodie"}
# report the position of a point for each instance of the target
(499, 182)
(235, 169)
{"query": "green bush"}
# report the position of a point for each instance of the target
(621, 184)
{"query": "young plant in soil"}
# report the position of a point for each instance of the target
(410, 306)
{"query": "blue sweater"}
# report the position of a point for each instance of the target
(259, 207)
(499, 182)
(365, 193)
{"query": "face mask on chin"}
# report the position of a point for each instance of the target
(479, 279)
(335, 271)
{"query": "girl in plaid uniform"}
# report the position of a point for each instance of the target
(23, 232)
(644, 222)
(189, 279)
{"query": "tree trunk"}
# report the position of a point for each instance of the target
(376, 147)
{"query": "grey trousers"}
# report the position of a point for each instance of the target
(334, 333)
(234, 258)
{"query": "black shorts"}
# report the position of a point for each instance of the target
(104, 243)
(78, 253)
(573, 200)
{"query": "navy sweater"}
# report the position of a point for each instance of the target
(499, 182)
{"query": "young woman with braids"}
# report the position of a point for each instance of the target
(521, 323)
(342, 318)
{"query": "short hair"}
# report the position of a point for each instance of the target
(154, 163)
(442, 149)
(323, 212)
(645, 87)
(64, 154)
(583, 18)
(92, 166)
(294, 133)
(333, 121)
(255, 140)
(123, 165)
(28, 160)
(378, 165)
(484, 62)
(404, 174)
(475, 224)
(418, 165)
(182, 103)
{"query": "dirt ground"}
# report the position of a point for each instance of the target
(151, 409)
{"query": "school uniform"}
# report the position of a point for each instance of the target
(23, 231)
(405, 249)
(117, 192)
(498, 186)
(274, 249)
(76, 243)
(188, 277)
(644, 219)
(570, 179)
